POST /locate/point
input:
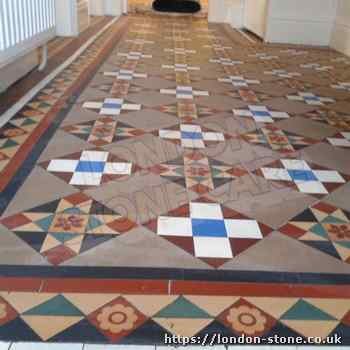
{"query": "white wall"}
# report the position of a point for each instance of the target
(66, 18)
(226, 11)
(310, 23)
(341, 31)
(255, 16)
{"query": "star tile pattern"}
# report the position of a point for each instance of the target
(261, 114)
(278, 140)
(103, 131)
(209, 231)
(197, 172)
(64, 228)
(322, 227)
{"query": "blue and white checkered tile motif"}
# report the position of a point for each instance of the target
(317, 67)
(180, 51)
(307, 178)
(125, 74)
(184, 92)
(238, 81)
(134, 55)
(225, 61)
(310, 99)
(264, 56)
(111, 106)
(282, 73)
(341, 86)
(179, 67)
(261, 114)
(89, 168)
(209, 231)
(191, 136)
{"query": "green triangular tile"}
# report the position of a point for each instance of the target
(28, 121)
(57, 306)
(302, 310)
(45, 223)
(182, 308)
(332, 220)
(319, 230)
(9, 143)
(93, 223)
(64, 237)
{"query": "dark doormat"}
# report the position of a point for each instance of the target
(179, 6)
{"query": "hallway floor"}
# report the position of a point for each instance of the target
(179, 179)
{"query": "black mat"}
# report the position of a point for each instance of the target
(179, 6)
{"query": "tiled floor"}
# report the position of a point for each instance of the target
(176, 179)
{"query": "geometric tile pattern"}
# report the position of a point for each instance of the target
(103, 131)
(111, 106)
(341, 139)
(128, 318)
(317, 67)
(197, 172)
(303, 176)
(282, 73)
(310, 99)
(125, 74)
(341, 86)
(239, 81)
(89, 168)
(67, 227)
(261, 114)
(184, 92)
(323, 227)
(192, 136)
(209, 231)
(278, 140)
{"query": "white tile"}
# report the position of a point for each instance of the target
(280, 115)
(63, 165)
(95, 156)
(295, 164)
(242, 113)
(213, 136)
(131, 107)
(243, 228)
(190, 143)
(328, 176)
(205, 211)
(212, 247)
(190, 128)
(184, 97)
(259, 108)
(168, 91)
(170, 226)
(45, 346)
(86, 179)
(311, 187)
(339, 142)
(170, 134)
(110, 111)
(261, 119)
(4, 345)
(92, 105)
(276, 174)
(118, 168)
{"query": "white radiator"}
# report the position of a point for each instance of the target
(24, 26)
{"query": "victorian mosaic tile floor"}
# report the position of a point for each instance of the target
(175, 180)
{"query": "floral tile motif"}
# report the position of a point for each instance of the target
(117, 319)
(303, 176)
(103, 131)
(192, 136)
(278, 140)
(341, 139)
(323, 227)
(89, 168)
(209, 231)
(244, 318)
(197, 172)
(64, 228)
